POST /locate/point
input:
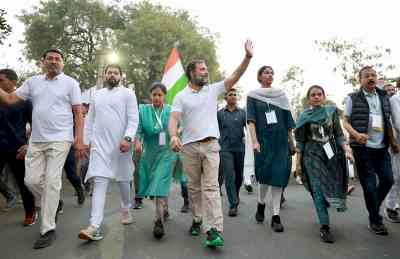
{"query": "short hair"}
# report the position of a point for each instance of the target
(315, 87)
(53, 50)
(261, 70)
(9, 73)
(192, 66)
(113, 65)
(230, 91)
(159, 85)
(363, 69)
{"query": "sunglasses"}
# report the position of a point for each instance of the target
(232, 94)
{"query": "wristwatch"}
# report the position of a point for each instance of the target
(128, 139)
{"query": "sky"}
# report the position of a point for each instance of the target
(283, 33)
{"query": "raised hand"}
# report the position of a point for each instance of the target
(248, 46)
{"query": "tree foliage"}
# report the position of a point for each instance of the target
(78, 27)
(5, 28)
(151, 32)
(350, 56)
(293, 82)
(142, 34)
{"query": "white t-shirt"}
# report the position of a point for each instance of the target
(198, 112)
(52, 100)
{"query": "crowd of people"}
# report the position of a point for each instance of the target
(111, 137)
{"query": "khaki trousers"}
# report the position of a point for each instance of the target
(44, 163)
(200, 164)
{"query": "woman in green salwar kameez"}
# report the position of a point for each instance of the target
(157, 160)
(322, 151)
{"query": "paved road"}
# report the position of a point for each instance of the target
(244, 238)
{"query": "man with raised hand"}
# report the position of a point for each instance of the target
(196, 108)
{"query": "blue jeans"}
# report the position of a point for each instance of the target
(231, 166)
(372, 164)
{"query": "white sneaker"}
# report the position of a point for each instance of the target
(298, 180)
(126, 217)
(91, 233)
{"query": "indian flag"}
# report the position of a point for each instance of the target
(174, 77)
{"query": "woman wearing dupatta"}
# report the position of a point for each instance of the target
(270, 124)
(157, 160)
(321, 159)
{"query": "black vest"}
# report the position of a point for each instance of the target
(359, 118)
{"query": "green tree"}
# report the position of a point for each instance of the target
(350, 56)
(151, 32)
(78, 27)
(293, 82)
(5, 28)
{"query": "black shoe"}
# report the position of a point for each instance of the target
(260, 213)
(185, 207)
(45, 240)
(283, 200)
(378, 229)
(81, 196)
(158, 230)
(233, 212)
(195, 229)
(392, 215)
(276, 224)
(248, 188)
(60, 209)
(138, 204)
(166, 215)
(326, 235)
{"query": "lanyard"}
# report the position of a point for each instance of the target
(158, 116)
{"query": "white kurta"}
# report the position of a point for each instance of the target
(113, 114)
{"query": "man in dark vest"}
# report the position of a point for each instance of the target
(368, 121)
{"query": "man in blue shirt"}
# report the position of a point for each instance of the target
(231, 122)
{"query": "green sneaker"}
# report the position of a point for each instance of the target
(214, 238)
(195, 229)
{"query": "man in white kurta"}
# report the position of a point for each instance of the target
(392, 199)
(111, 125)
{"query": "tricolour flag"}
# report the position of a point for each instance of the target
(174, 77)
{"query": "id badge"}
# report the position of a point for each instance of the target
(328, 150)
(377, 123)
(271, 117)
(162, 139)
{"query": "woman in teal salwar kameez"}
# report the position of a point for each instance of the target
(157, 160)
(321, 157)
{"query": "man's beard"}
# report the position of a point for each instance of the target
(200, 80)
(111, 83)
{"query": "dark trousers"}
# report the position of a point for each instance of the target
(5, 189)
(70, 170)
(184, 190)
(372, 163)
(231, 167)
(18, 170)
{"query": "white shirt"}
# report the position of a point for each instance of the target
(198, 112)
(395, 108)
(52, 100)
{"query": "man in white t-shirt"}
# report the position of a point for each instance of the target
(196, 108)
(56, 100)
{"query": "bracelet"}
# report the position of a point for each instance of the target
(248, 56)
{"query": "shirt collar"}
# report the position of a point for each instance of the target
(226, 108)
(55, 78)
(203, 89)
(369, 94)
